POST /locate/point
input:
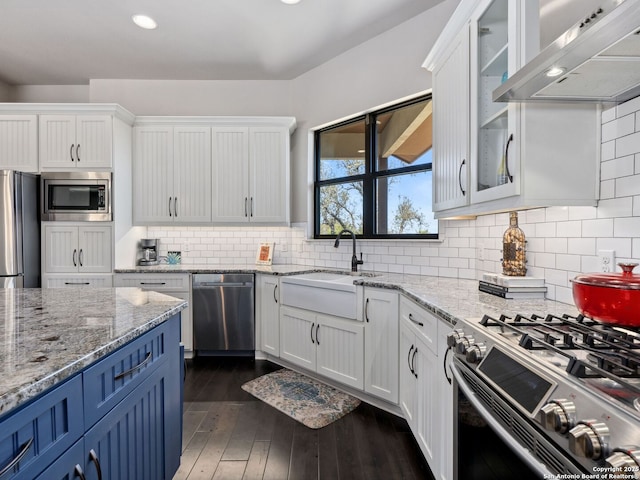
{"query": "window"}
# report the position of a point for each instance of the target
(373, 174)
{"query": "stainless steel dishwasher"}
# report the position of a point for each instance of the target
(223, 318)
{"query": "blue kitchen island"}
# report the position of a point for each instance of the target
(90, 384)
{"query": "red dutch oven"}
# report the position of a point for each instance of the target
(609, 297)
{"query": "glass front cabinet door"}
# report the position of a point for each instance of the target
(501, 42)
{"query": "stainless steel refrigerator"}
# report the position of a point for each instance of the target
(19, 230)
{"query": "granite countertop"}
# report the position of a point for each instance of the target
(450, 298)
(183, 268)
(455, 299)
(48, 335)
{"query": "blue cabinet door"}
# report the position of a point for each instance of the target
(33, 437)
(68, 466)
(140, 438)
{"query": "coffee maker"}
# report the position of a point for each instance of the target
(149, 251)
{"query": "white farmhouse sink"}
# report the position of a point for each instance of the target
(323, 292)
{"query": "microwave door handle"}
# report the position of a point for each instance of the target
(518, 449)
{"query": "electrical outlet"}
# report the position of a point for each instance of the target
(607, 260)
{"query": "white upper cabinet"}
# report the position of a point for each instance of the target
(75, 141)
(77, 248)
(19, 142)
(250, 174)
(172, 174)
(211, 170)
(519, 155)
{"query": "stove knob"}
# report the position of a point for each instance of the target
(464, 343)
(559, 415)
(476, 352)
(625, 461)
(454, 336)
(589, 439)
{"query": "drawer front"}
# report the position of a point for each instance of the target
(113, 378)
(154, 281)
(41, 431)
(55, 281)
(422, 321)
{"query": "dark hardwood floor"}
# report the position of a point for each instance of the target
(229, 434)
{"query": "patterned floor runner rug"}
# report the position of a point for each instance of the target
(312, 403)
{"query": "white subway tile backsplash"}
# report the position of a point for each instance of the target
(626, 108)
(582, 246)
(555, 245)
(615, 207)
(608, 189)
(618, 167)
(609, 114)
(621, 246)
(628, 145)
(568, 262)
(618, 128)
(608, 151)
(628, 186)
(569, 229)
(627, 227)
(597, 228)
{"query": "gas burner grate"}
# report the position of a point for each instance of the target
(612, 351)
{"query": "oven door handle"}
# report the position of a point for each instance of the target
(518, 449)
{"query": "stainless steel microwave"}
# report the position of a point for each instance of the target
(76, 196)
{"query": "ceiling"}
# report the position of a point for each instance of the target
(69, 42)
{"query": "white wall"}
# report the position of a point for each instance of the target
(381, 70)
(195, 97)
(5, 92)
(50, 93)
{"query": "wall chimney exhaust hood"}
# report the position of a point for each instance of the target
(597, 60)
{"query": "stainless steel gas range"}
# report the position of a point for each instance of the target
(562, 392)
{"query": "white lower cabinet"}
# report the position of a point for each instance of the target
(330, 346)
(268, 313)
(61, 281)
(174, 284)
(381, 343)
(444, 386)
(421, 399)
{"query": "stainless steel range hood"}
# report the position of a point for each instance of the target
(599, 58)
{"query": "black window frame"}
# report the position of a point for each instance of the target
(369, 177)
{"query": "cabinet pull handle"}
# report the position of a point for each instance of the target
(444, 366)
(175, 207)
(460, 177)
(317, 330)
(76, 283)
(251, 209)
(415, 321)
(78, 472)
(96, 462)
(366, 310)
(409, 359)
(153, 283)
(275, 289)
(80, 256)
(75, 252)
(136, 368)
(245, 207)
(312, 340)
(71, 152)
(413, 363)
(506, 158)
(169, 206)
(78, 152)
(24, 448)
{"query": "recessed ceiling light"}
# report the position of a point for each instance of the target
(144, 21)
(554, 72)
(290, 2)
